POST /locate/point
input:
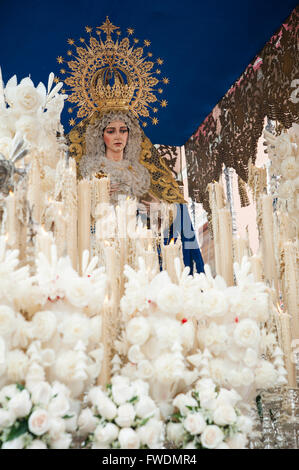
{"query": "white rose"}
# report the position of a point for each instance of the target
(145, 407)
(120, 380)
(250, 357)
(122, 393)
(17, 443)
(74, 328)
(63, 442)
(7, 320)
(59, 405)
(138, 330)
(17, 365)
(205, 384)
(37, 444)
(9, 391)
(78, 292)
(39, 422)
(244, 424)
(207, 398)
(238, 441)
(145, 370)
(107, 408)
(125, 415)
(27, 98)
(56, 428)
(135, 355)
(20, 404)
(65, 365)
(128, 439)
(169, 299)
(195, 423)
(289, 168)
(96, 395)
(61, 389)
(140, 387)
(224, 414)
(7, 418)
(247, 333)
(212, 437)
(106, 434)
(265, 375)
(234, 378)
(214, 303)
(44, 325)
(41, 393)
(151, 434)
(87, 422)
(181, 402)
(175, 432)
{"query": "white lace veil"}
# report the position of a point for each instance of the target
(134, 178)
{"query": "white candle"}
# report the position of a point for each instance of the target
(11, 221)
(44, 241)
(170, 252)
(266, 203)
(257, 267)
(84, 208)
(71, 211)
(35, 191)
(60, 233)
(226, 250)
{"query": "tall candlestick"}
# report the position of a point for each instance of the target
(11, 221)
(226, 261)
(35, 191)
(170, 252)
(84, 208)
(285, 329)
(104, 377)
(290, 285)
(71, 211)
(44, 241)
(266, 207)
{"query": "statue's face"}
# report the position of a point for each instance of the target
(116, 137)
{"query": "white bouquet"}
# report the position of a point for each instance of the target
(207, 418)
(122, 417)
(36, 419)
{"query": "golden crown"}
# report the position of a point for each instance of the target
(112, 75)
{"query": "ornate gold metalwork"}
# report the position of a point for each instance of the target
(112, 75)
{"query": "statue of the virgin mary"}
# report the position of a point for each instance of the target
(112, 85)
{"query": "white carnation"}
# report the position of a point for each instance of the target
(7, 418)
(74, 328)
(145, 370)
(169, 299)
(214, 303)
(44, 325)
(7, 320)
(135, 355)
(56, 428)
(17, 365)
(41, 393)
(59, 405)
(107, 408)
(265, 375)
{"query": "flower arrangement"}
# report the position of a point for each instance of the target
(39, 418)
(206, 417)
(50, 323)
(122, 417)
(34, 113)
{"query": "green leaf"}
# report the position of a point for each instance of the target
(145, 420)
(20, 387)
(67, 416)
(7, 398)
(109, 386)
(134, 399)
(177, 416)
(19, 428)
